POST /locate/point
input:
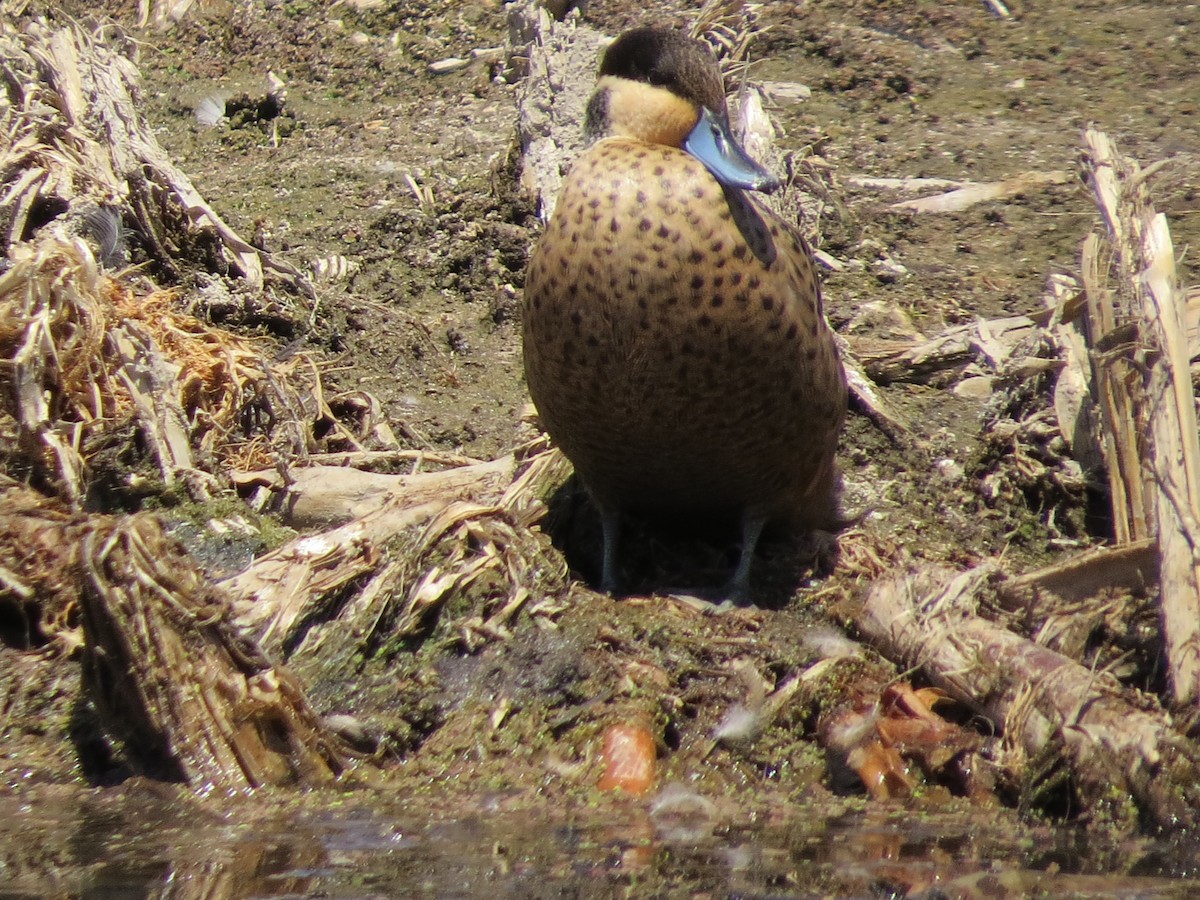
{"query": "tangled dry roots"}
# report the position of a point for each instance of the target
(93, 361)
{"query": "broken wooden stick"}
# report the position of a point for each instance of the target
(969, 194)
(920, 359)
(1131, 567)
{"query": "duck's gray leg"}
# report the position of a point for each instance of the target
(738, 589)
(610, 523)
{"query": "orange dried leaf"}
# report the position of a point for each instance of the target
(882, 771)
(900, 700)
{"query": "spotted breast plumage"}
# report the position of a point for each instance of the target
(674, 338)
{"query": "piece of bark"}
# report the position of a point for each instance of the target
(1075, 394)
(1111, 739)
(332, 495)
(870, 402)
(162, 14)
(187, 694)
(1139, 341)
(1132, 567)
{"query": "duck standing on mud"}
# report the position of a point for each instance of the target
(675, 343)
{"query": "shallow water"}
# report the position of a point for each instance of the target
(142, 841)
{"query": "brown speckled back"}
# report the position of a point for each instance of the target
(675, 344)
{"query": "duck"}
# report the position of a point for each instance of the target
(674, 338)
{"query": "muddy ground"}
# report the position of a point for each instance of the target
(410, 177)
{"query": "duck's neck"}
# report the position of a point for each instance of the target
(623, 108)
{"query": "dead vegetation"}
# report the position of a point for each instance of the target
(104, 364)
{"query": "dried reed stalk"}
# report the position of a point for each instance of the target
(1139, 349)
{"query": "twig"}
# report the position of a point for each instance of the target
(999, 9)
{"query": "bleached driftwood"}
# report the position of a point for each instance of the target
(563, 57)
(1139, 341)
(1039, 699)
(325, 495)
(190, 697)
